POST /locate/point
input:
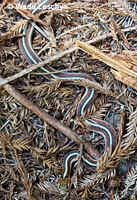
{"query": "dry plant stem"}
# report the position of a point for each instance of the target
(125, 78)
(94, 40)
(34, 67)
(48, 118)
(57, 56)
(105, 58)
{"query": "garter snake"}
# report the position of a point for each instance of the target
(97, 125)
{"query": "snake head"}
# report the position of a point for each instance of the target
(63, 185)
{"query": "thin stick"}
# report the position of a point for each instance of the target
(105, 58)
(48, 118)
(93, 41)
(57, 56)
(36, 66)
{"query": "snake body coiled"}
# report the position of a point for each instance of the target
(94, 124)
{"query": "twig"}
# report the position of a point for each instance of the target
(57, 56)
(57, 72)
(94, 40)
(48, 118)
(105, 58)
(36, 66)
